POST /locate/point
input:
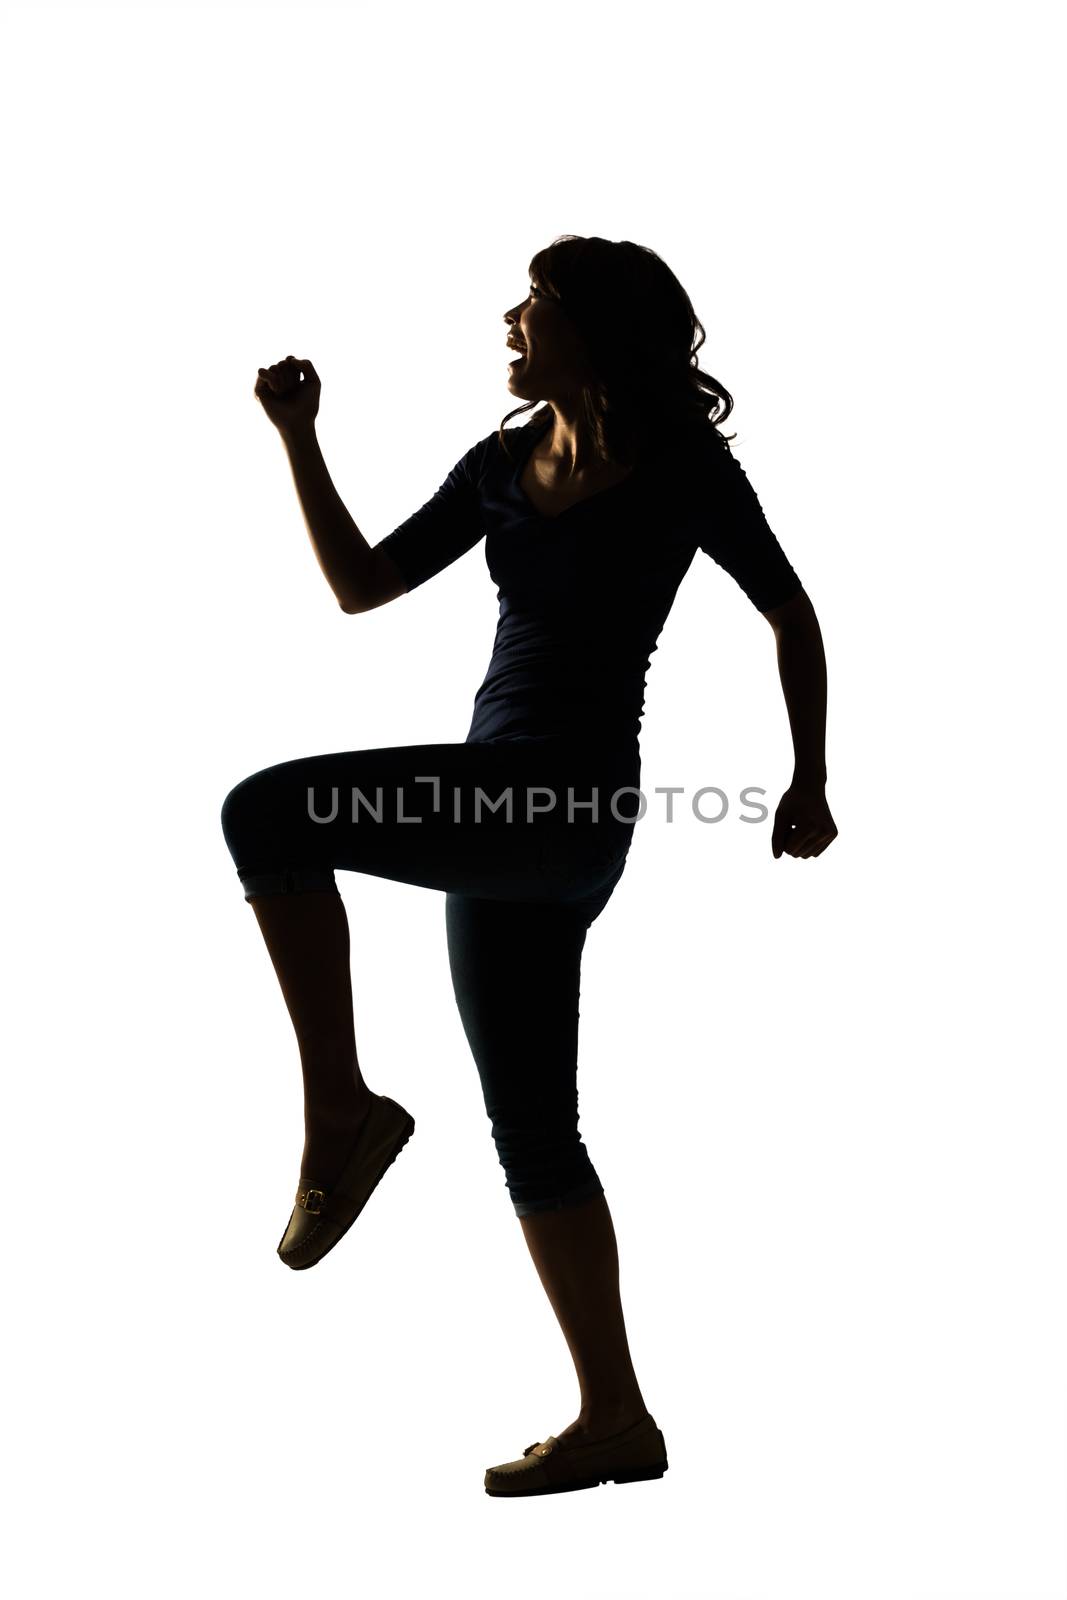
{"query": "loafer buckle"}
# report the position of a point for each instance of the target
(312, 1200)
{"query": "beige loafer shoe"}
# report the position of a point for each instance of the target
(556, 1465)
(322, 1217)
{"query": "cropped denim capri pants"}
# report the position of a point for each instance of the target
(523, 880)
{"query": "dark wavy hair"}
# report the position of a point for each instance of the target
(640, 332)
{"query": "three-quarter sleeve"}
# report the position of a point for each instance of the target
(731, 528)
(446, 527)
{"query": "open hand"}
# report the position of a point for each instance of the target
(803, 825)
(289, 393)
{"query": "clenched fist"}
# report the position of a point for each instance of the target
(289, 393)
(803, 826)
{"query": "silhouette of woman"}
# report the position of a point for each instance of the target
(591, 512)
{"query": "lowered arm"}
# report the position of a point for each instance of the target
(803, 825)
(802, 670)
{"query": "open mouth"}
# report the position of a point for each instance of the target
(513, 344)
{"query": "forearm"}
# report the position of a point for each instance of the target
(802, 670)
(340, 549)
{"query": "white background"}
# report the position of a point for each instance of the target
(825, 1097)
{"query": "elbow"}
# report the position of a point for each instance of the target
(798, 608)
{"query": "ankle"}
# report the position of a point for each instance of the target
(617, 1412)
(332, 1077)
(336, 1109)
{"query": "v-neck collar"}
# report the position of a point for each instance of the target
(546, 516)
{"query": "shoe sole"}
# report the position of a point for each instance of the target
(634, 1475)
(302, 1266)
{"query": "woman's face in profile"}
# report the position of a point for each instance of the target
(552, 358)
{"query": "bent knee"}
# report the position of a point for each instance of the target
(245, 806)
(233, 807)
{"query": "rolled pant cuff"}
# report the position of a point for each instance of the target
(290, 880)
(574, 1197)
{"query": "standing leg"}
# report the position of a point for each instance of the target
(516, 975)
(577, 1259)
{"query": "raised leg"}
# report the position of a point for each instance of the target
(307, 936)
(299, 820)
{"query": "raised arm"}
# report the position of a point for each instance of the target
(360, 576)
(364, 576)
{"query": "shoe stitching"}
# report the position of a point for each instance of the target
(294, 1249)
(601, 1475)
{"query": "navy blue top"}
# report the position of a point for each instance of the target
(584, 594)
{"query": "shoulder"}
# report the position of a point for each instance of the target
(478, 460)
(701, 443)
(696, 461)
(694, 443)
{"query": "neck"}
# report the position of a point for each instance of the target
(567, 445)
